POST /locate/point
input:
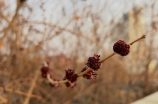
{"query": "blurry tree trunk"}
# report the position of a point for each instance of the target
(138, 58)
(137, 50)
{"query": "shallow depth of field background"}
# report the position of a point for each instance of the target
(65, 33)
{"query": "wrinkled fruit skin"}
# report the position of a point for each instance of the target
(93, 62)
(121, 47)
(70, 75)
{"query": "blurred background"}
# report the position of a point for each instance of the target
(65, 33)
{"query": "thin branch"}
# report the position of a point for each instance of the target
(19, 92)
(102, 61)
(3, 101)
(32, 87)
(81, 74)
(138, 39)
(14, 26)
(11, 22)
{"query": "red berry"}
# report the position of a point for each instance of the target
(44, 75)
(45, 71)
(121, 47)
(70, 75)
(93, 62)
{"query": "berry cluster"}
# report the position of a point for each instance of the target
(89, 71)
(47, 71)
(71, 76)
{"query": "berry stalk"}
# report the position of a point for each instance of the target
(137, 39)
(81, 74)
(55, 82)
(102, 61)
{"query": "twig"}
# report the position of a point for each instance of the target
(107, 57)
(3, 100)
(19, 92)
(31, 88)
(138, 39)
(55, 82)
(81, 74)
(14, 26)
(10, 23)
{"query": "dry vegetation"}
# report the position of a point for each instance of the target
(66, 37)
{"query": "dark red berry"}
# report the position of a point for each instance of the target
(121, 47)
(45, 71)
(44, 75)
(90, 74)
(70, 75)
(93, 62)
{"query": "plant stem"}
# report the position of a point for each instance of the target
(137, 39)
(55, 82)
(107, 57)
(81, 74)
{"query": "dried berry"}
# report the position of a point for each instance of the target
(44, 75)
(93, 62)
(70, 75)
(69, 84)
(121, 48)
(90, 74)
(44, 71)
